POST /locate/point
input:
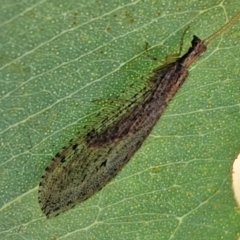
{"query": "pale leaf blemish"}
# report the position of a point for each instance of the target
(236, 179)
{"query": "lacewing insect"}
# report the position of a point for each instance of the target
(89, 162)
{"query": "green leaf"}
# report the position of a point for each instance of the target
(58, 58)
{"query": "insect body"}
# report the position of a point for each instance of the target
(87, 164)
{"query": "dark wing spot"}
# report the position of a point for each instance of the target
(103, 164)
(57, 155)
(63, 159)
(74, 146)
